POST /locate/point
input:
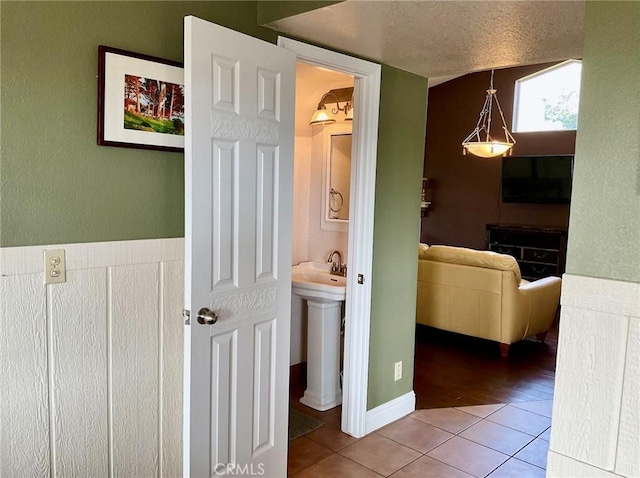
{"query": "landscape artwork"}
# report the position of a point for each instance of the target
(153, 105)
(140, 101)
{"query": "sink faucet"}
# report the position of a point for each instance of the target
(337, 268)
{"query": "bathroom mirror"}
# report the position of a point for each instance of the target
(337, 177)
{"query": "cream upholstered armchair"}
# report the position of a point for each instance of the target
(481, 294)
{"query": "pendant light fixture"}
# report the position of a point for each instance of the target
(324, 116)
(490, 147)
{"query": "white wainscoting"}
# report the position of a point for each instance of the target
(91, 369)
(596, 410)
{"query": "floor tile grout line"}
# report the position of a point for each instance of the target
(412, 461)
(370, 469)
(522, 409)
(500, 451)
(510, 458)
(521, 431)
(445, 430)
(435, 426)
(484, 446)
(471, 474)
(419, 451)
(523, 461)
(335, 451)
(488, 405)
(312, 464)
(353, 461)
(544, 431)
(530, 411)
(514, 429)
(459, 469)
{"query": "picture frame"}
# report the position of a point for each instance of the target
(140, 101)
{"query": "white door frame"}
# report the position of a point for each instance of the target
(366, 98)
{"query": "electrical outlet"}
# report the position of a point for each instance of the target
(55, 266)
(398, 371)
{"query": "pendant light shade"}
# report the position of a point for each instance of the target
(322, 116)
(489, 147)
(485, 149)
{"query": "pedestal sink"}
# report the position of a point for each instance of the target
(324, 294)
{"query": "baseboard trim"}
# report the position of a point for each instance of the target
(390, 411)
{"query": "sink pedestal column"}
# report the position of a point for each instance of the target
(323, 355)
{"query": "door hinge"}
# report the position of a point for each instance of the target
(187, 316)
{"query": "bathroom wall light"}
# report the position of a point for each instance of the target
(324, 116)
(489, 148)
(349, 110)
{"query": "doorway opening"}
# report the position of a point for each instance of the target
(322, 197)
(366, 99)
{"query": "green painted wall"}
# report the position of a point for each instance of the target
(57, 185)
(604, 226)
(403, 107)
(277, 10)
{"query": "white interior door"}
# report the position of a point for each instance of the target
(239, 113)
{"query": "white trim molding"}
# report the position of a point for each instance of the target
(596, 407)
(603, 295)
(391, 411)
(366, 97)
(88, 255)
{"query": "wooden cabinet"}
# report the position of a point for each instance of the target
(540, 251)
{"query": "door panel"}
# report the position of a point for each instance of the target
(225, 89)
(263, 413)
(223, 369)
(239, 98)
(268, 94)
(267, 174)
(225, 157)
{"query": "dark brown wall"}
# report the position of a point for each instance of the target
(465, 190)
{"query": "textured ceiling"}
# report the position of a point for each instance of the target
(444, 38)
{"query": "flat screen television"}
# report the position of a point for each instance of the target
(537, 179)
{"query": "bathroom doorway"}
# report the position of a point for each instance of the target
(366, 98)
(321, 203)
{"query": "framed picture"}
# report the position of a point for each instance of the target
(140, 101)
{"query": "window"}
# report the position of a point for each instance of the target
(548, 100)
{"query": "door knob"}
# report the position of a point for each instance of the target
(207, 317)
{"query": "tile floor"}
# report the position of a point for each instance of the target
(498, 441)
(453, 370)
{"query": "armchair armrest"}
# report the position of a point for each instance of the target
(541, 283)
(530, 308)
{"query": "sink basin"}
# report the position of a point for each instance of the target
(324, 294)
(312, 281)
